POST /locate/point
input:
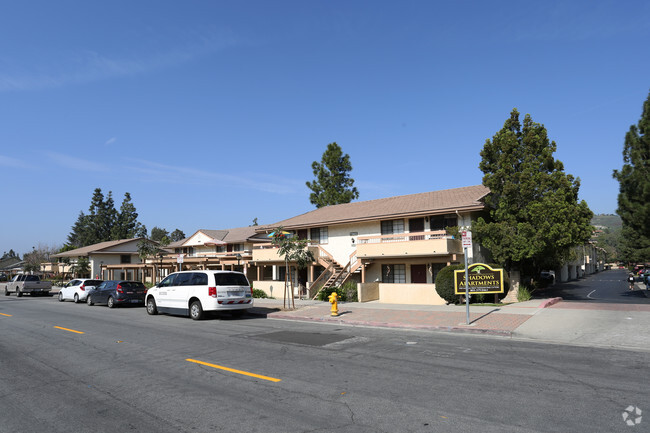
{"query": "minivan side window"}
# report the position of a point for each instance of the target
(199, 279)
(169, 281)
(183, 279)
(230, 280)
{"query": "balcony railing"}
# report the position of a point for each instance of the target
(420, 244)
(404, 237)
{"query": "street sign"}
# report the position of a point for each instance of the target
(467, 239)
(179, 259)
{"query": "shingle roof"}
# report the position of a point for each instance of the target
(426, 203)
(231, 236)
(84, 251)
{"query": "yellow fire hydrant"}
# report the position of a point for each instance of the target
(334, 301)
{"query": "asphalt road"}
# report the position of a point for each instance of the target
(129, 371)
(607, 286)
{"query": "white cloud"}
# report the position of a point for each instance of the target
(89, 66)
(111, 141)
(6, 161)
(151, 171)
(77, 163)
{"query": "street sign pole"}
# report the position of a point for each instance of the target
(466, 287)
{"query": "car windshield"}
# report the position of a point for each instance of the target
(228, 279)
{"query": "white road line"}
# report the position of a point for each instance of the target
(589, 295)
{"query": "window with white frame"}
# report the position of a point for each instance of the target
(319, 235)
(395, 274)
(391, 227)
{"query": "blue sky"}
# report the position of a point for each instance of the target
(210, 113)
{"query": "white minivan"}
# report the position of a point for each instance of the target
(195, 292)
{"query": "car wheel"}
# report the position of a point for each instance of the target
(76, 298)
(60, 296)
(151, 306)
(19, 294)
(110, 302)
(196, 311)
(89, 301)
(6, 292)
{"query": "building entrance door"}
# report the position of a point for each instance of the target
(419, 274)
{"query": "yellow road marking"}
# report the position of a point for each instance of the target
(70, 330)
(3, 314)
(245, 373)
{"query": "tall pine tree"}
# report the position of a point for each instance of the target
(634, 190)
(535, 217)
(333, 184)
(126, 224)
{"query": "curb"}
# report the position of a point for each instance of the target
(550, 302)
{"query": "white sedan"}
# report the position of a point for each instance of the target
(77, 290)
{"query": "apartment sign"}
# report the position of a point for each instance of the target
(482, 279)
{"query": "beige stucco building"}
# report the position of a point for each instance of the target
(393, 247)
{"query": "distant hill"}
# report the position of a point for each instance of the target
(607, 220)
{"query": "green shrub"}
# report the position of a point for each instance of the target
(257, 293)
(324, 294)
(350, 289)
(445, 283)
(524, 294)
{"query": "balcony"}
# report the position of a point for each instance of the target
(422, 244)
(269, 253)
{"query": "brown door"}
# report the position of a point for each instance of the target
(419, 274)
(416, 225)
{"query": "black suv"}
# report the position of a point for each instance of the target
(114, 293)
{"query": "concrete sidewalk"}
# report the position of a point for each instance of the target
(625, 326)
(499, 320)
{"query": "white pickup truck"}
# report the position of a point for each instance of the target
(21, 284)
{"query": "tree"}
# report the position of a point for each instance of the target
(293, 250)
(37, 256)
(104, 223)
(10, 255)
(82, 267)
(634, 190)
(126, 224)
(101, 217)
(177, 235)
(158, 234)
(535, 218)
(332, 185)
(79, 235)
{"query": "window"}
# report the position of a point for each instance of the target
(392, 226)
(199, 279)
(441, 222)
(220, 249)
(169, 281)
(393, 274)
(228, 279)
(125, 258)
(239, 247)
(435, 268)
(183, 279)
(319, 235)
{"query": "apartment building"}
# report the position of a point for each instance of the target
(393, 247)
